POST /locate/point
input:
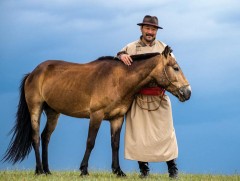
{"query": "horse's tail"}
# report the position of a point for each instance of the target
(21, 141)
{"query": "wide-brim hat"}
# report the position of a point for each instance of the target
(150, 20)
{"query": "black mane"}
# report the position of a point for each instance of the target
(144, 56)
(134, 57)
(108, 58)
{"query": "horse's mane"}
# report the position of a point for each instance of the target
(108, 58)
(144, 56)
(134, 57)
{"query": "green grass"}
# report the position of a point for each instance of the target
(95, 176)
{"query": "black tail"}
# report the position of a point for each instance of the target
(21, 141)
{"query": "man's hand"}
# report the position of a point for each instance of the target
(126, 59)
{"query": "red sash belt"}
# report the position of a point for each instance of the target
(154, 91)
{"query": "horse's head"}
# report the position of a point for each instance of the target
(173, 79)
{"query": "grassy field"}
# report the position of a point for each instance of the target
(95, 176)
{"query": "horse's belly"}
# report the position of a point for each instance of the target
(79, 104)
(69, 106)
(81, 114)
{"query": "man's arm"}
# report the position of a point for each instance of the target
(124, 57)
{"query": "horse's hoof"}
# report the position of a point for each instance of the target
(39, 172)
(84, 173)
(119, 172)
(144, 174)
(47, 172)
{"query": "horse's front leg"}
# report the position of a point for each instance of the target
(116, 126)
(95, 122)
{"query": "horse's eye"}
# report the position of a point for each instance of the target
(176, 68)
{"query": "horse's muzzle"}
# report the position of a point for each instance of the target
(184, 93)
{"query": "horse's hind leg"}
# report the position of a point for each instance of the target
(52, 119)
(95, 122)
(35, 111)
(116, 126)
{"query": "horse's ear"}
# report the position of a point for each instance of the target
(167, 51)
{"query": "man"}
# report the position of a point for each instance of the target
(150, 135)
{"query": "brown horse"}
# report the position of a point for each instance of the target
(100, 90)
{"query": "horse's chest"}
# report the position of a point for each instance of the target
(116, 112)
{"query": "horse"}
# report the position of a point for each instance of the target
(99, 90)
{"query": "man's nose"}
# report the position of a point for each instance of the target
(152, 32)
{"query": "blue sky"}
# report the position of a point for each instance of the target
(204, 36)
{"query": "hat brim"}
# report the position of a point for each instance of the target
(141, 24)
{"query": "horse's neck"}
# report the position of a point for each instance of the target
(139, 75)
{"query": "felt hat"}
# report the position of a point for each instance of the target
(150, 20)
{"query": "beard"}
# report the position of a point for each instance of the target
(149, 38)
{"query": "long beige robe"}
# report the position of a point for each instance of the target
(149, 135)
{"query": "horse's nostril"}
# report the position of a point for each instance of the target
(181, 92)
(185, 92)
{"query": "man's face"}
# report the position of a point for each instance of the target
(149, 33)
